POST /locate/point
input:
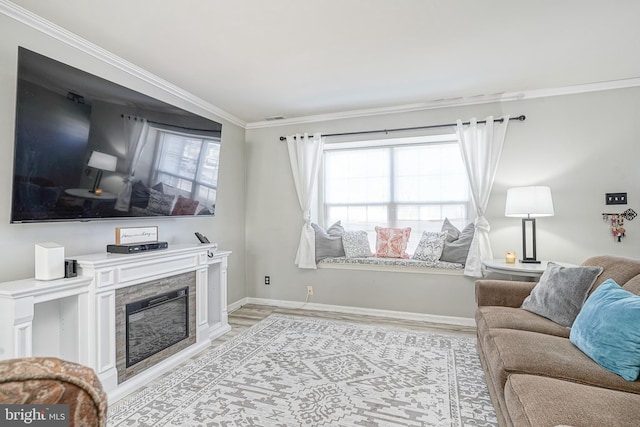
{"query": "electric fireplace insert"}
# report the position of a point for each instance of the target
(156, 323)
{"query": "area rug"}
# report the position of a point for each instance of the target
(304, 371)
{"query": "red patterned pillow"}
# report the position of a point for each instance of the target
(185, 206)
(392, 242)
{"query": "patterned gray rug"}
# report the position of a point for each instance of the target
(302, 371)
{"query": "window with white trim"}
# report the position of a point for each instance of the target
(188, 163)
(402, 182)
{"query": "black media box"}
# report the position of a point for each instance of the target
(70, 268)
(135, 248)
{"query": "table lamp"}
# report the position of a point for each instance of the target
(102, 162)
(528, 203)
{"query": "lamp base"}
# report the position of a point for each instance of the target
(96, 185)
(529, 257)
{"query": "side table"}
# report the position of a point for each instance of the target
(92, 203)
(530, 271)
(85, 193)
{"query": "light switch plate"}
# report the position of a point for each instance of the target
(616, 198)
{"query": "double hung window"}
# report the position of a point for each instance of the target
(188, 163)
(402, 182)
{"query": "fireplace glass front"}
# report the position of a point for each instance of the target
(156, 323)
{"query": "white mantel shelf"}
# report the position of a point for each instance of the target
(74, 318)
(108, 259)
(42, 290)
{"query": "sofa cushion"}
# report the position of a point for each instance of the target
(430, 246)
(619, 269)
(633, 285)
(539, 401)
(356, 244)
(517, 318)
(392, 242)
(159, 203)
(607, 330)
(185, 206)
(457, 244)
(510, 351)
(561, 291)
(167, 189)
(329, 241)
(140, 195)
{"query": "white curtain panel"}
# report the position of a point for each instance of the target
(481, 147)
(305, 154)
(135, 131)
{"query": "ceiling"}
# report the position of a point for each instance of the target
(257, 59)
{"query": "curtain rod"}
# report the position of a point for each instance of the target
(169, 124)
(520, 118)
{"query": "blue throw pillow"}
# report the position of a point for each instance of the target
(606, 329)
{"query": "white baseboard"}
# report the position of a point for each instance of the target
(236, 305)
(432, 318)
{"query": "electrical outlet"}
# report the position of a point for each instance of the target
(267, 280)
(309, 290)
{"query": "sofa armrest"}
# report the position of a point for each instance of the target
(49, 380)
(506, 293)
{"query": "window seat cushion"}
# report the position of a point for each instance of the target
(390, 262)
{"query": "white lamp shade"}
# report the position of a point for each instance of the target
(529, 202)
(103, 161)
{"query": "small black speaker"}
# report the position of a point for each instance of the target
(70, 268)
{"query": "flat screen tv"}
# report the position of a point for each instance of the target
(89, 149)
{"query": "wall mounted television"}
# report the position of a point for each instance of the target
(89, 149)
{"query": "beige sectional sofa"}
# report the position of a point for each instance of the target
(536, 376)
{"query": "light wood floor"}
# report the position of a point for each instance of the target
(250, 314)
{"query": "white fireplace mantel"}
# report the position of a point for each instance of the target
(74, 318)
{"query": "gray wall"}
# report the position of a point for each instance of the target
(582, 146)
(17, 240)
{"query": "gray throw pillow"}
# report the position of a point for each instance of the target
(140, 195)
(561, 292)
(456, 246)
(329, 241)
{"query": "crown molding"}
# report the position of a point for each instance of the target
(58, 33)
(453, 102)
(73, 40)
